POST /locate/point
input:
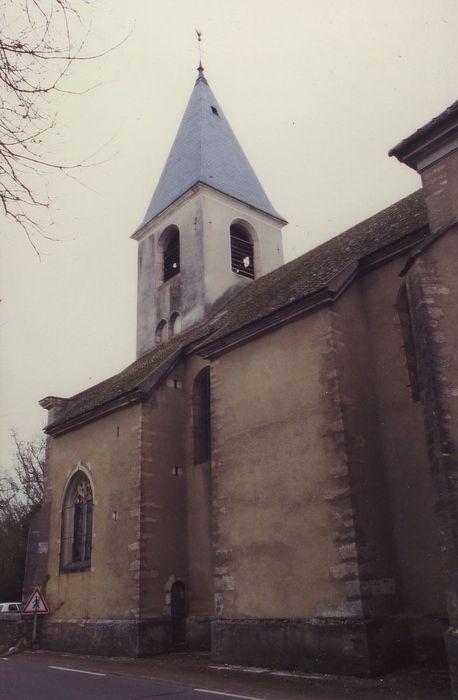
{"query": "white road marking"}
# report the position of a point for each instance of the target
(77, 670)
(226, 695)
(245, 669)
(4, 658)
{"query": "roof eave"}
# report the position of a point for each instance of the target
(141, 393)
(429, 144)
(65, 426)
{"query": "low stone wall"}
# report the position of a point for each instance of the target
(108, 637)
(346, 647)
(198, 633)
(15, 629)
(100, 637)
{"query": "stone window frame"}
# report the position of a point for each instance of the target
(77, 516)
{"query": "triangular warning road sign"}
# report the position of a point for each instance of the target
(36, 604)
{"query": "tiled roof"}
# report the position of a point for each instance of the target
(282, 287)
(314, 270)
(206, 150)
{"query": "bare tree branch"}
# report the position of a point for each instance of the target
(20, 496)
(24, 490)
(36, 53)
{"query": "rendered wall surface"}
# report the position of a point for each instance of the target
(274, 544)
(182, 293)
(322, 490)
(420, 577)
(109, 450)
(401, 576)
(161, 556)
(432, 288)
(199, 532)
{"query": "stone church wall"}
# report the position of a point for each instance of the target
(108, 592)
(161, 554)
(323, 513)
(279, 571)
(432, 288)
(393, 487)
(270, 476)
(201, 604)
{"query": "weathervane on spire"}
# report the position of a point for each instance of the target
(199, 39)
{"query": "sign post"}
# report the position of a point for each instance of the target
(35, 605)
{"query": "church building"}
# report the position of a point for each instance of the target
(274, 478)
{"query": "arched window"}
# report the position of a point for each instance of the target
(201, 417)
(174, 324)
(242, 259)
(76, 543)
(171, 256)
(161, 331)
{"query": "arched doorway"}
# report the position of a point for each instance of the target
(178, 612)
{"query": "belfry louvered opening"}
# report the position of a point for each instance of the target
(172, 254)
(242, 260)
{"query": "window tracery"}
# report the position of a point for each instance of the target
(77, 513)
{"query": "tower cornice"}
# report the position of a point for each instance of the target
(191, 192)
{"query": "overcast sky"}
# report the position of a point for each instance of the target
(316, 93)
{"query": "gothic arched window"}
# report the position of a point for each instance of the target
(76, 543)
(171, 255)
(201, 417)
(242, 258)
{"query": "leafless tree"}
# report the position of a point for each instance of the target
(29, 469)
(22, 490)
(21, 493)
(36, 51)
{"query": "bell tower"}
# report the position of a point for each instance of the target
(209, 228)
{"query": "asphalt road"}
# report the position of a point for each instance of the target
(25, 680)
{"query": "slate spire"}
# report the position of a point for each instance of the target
(206, 150)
